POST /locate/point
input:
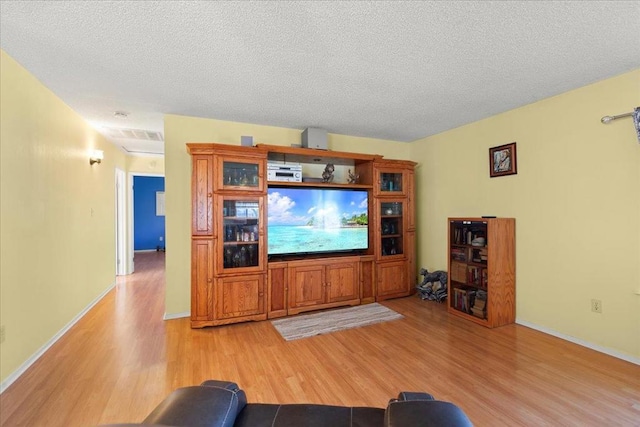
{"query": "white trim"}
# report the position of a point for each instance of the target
(159, 175)
(143, 154)
(130, 251)
(35, 356)
(176, 315)
(145, 250)
(583, 343)
(121, 235)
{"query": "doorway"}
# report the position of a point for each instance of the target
(146, 214)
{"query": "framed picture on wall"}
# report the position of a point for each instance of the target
(503, 160)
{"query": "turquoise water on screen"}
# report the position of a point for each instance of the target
(285, 239)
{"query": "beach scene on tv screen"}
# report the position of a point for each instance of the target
(302, 220)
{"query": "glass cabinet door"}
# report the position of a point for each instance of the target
(390, 182)
(391, 227)
(241, 174)
(240, 233)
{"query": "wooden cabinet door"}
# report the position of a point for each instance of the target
(239, 296)
(201, 280)
(202, 195)
(277, 290)
(390, 228)
(342, 281)
(389, 181)
(367, 279)
(239, 224)
(392, 280)
(240, 173)
(306, 286)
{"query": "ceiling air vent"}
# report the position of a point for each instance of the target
(144, 135)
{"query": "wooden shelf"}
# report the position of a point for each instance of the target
(276, 184)
(278, 153)
(491, 283)
(471, 317)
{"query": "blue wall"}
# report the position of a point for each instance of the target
(147, 227)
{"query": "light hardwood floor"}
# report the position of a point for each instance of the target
(122, 359)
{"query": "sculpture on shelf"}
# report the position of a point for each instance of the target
(353, 178)
(433, 286)
(327, 174)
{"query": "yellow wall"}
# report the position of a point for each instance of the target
(57, 237)
(178, 131)
(145, 164)
(576, 200)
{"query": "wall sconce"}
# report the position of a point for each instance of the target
(96, 156)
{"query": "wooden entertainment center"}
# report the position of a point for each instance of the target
(233, 279)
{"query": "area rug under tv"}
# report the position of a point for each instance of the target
(308, 325)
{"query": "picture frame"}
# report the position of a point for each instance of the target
(503, 160)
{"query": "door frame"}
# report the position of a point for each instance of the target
(121, 237)
(131, 225)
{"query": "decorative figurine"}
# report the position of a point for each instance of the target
(327, 175)
(353, 178)
(433, 286)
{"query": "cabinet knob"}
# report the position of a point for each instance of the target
(209, 194)
(209, 280)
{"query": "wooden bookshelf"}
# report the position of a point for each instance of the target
(481, 258)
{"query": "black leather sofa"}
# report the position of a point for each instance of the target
(224, 404)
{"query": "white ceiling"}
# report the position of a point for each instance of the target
(389, 69)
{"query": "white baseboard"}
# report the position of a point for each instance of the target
(583, 343)
(144, 250)
(35, 356)
(176, 315)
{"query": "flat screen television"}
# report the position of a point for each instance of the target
(305, 220)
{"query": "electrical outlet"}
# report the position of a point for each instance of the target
(161, 238)
(2, 334)
(596, 306)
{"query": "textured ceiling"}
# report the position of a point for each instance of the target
(391, 70)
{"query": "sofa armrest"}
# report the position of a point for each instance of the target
(414, 395)
(205, 406)
(229, 385)
(424, 413)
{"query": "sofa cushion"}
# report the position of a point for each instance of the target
(199, 406)
(308, 415)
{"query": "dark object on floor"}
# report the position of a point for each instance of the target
(433, 286)
(223, 404)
